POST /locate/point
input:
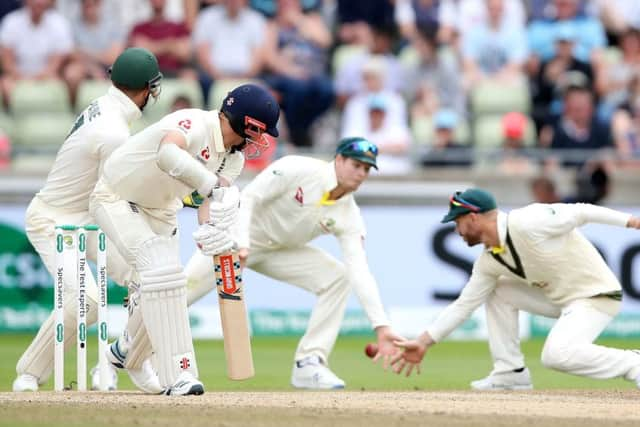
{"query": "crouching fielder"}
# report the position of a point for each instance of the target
(135, 203)
(536, 261)
(293, 201)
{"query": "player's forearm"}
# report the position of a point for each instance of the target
(447, 321)
(587, 213)
(426, 340)
(179, 164)
(367, 292)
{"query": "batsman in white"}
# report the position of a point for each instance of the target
(536, 261)
(136, 200)
(64, 199)
(293, 201)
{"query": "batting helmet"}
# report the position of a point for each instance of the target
(137, 68)
(251, 111)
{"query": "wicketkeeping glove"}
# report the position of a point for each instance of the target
(212, 240)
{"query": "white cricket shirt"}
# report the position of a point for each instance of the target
(281, 208)
(542, 248)
(101, 128)
(132, 171)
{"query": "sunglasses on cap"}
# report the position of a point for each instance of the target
(362, 146)
(458, 201)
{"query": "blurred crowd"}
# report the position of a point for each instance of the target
(519, 86)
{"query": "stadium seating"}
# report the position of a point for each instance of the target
(343, 54)
(42, 133)
(7, 126)
(29, 97)
(495, 97)
(171, 89)
(422, 130)
(487, 132)
(221, 88)
(90, 90)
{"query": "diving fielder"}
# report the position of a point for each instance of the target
(536, 261)
(136, 200)
(290, 203)
(64, 199)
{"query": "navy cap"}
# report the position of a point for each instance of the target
(360, 149)
(467, 201)
(251, 101)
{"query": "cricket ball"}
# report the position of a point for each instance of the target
(371, 349)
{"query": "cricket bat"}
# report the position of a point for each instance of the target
(233, 314)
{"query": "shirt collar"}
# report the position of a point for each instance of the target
(216, 132)
(128, 107)
(501, 223)
(329, 182)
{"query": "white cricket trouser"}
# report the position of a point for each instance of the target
(306, 267)
(569, 347)
(132, 228)
(40, 223)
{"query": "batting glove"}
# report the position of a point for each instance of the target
(213, 240)
(224, 206)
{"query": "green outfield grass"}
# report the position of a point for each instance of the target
(450, 365)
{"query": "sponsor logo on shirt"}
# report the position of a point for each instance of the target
(184, 124)
(299, 196)
(204, 154)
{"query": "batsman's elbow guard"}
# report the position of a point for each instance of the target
(193, 200)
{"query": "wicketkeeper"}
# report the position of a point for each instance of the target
(98, 131)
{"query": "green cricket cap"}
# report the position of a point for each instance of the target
(136, 68)
(360, 149)
(470, 200)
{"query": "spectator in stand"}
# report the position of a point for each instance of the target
(614, 80)
(514, 154)
(435, 81)
(34, 41)
(392, 138)
(618, 16)
(229, 39)
(169, 41)
(410, 15)
(99, 39)
(544, 190)
(590, 36)
(7, 6)
(5, 151)
(495, 50)
(180, 102)
(445, 150)
(460, 16)
(355, 119)
(127, 13)
(296, 61)
(269, 8)
(547, 98)
(578, 133)
(349, 80)
(356, 18)
(625, 127)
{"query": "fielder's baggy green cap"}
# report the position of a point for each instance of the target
(467, 201)
(360, 149)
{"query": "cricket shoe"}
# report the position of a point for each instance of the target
(514, 380)
(312, 373)
(185, 385)
(25, 382)
(112, 378)
(145, 377)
